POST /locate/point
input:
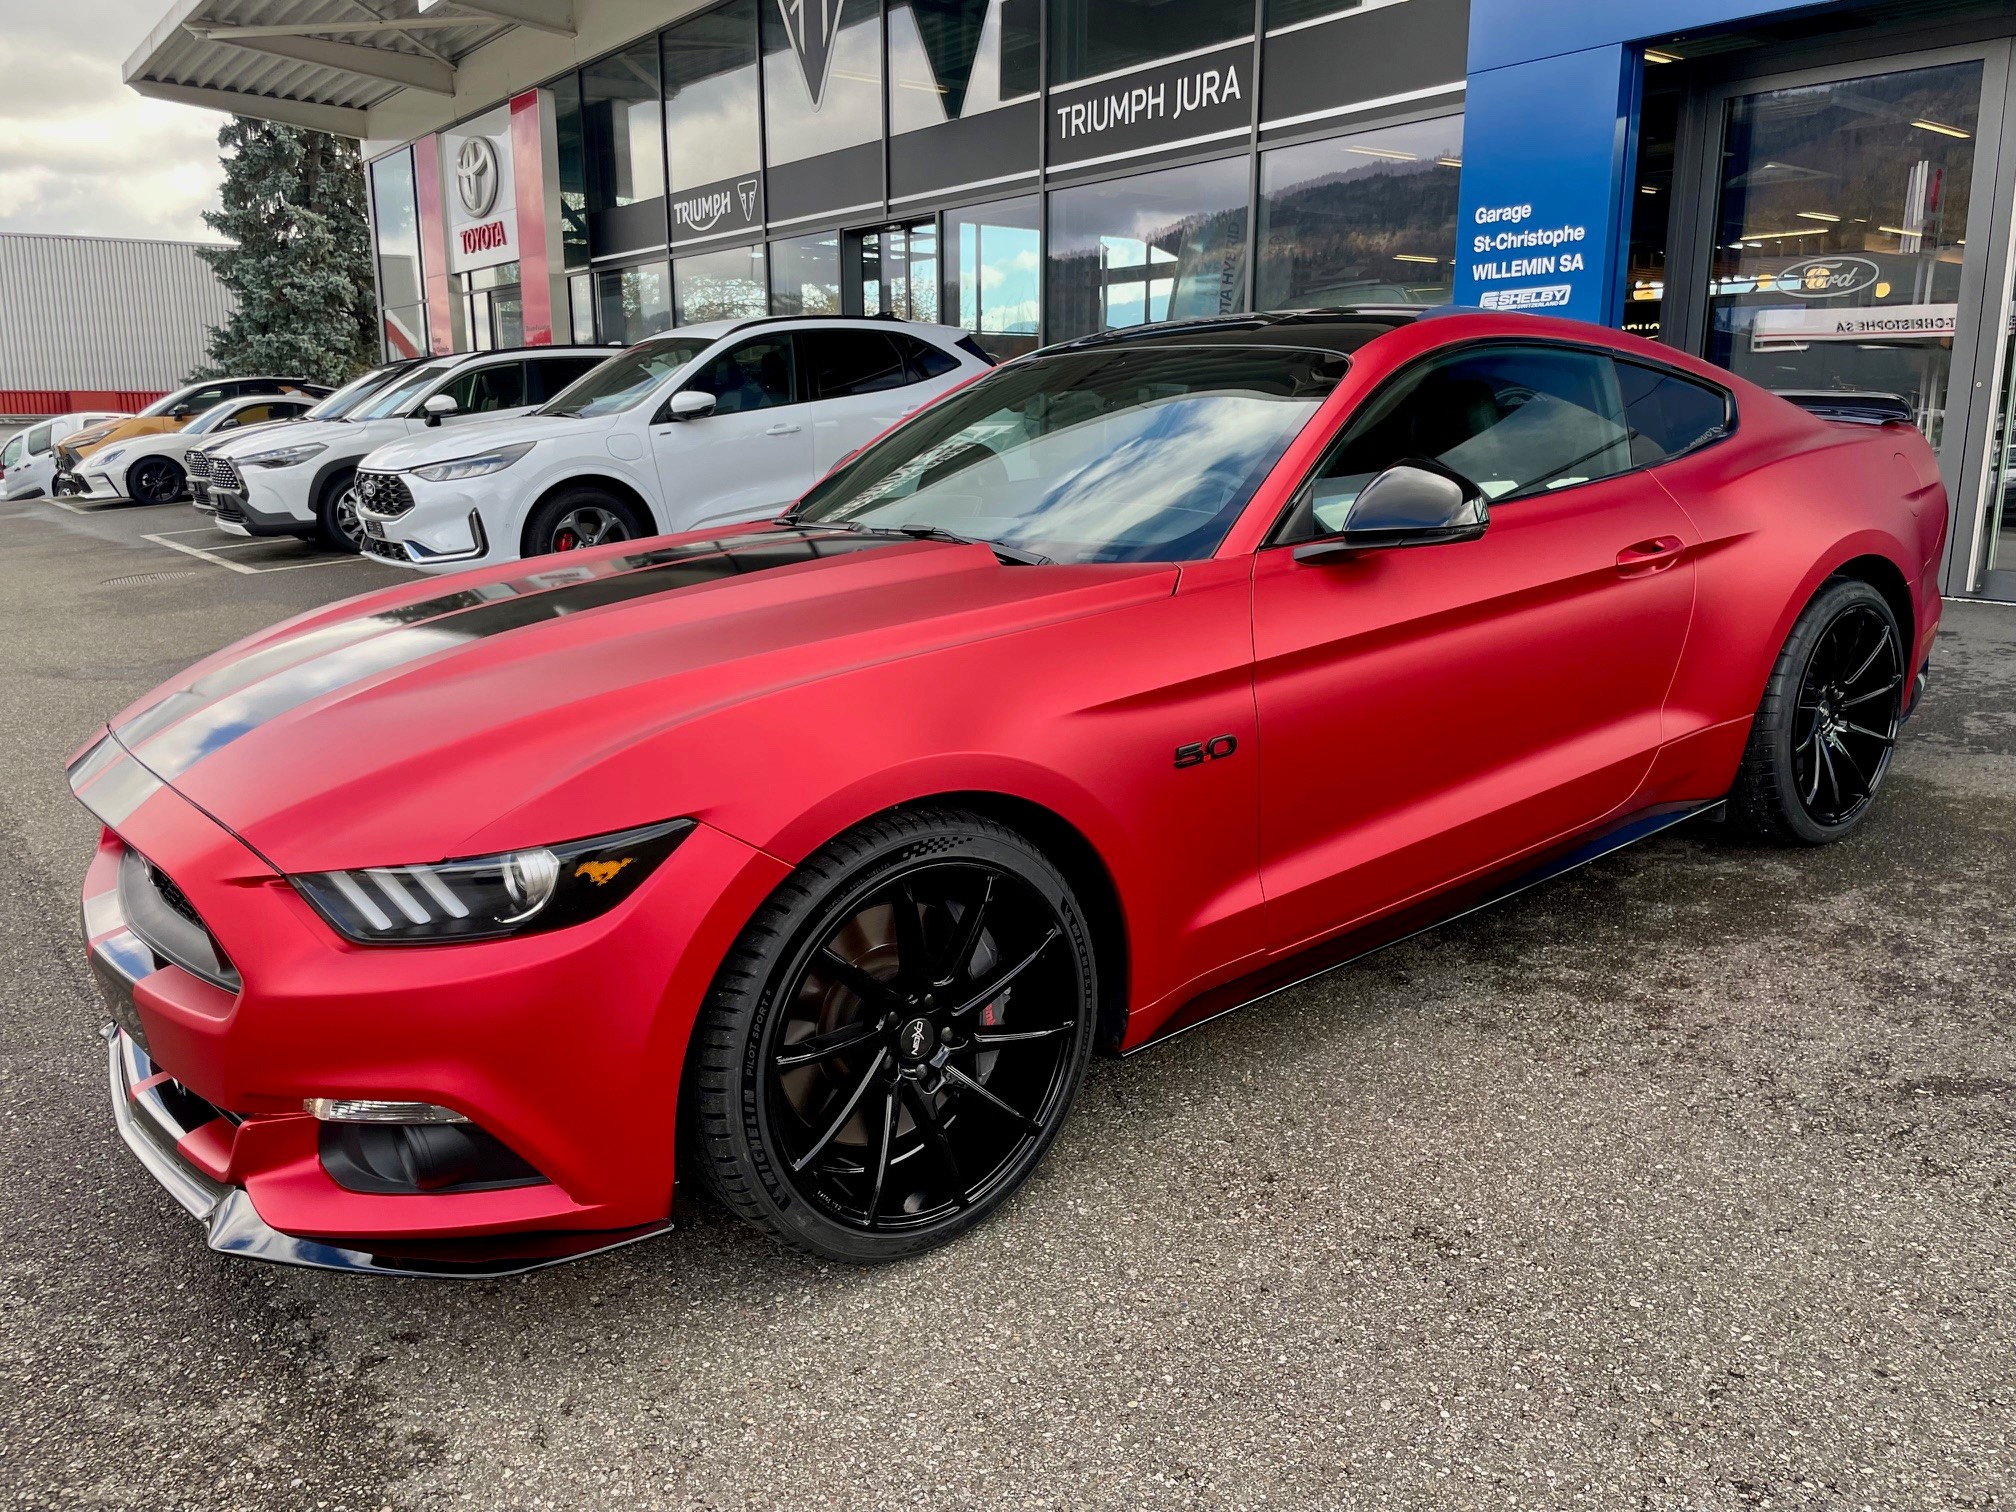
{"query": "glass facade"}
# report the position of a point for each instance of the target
(726, 285)
(1362, 219)
(805, 275)
(822, 76)
(623, 128)
(395, 220)
(994, 273)
(1089, 40)
(713, 118)
(632, 303)
(571, 163)
(950, 59)
(1160, 246)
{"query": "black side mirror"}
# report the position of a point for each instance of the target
(1413, 503)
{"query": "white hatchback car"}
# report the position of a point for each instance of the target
(301, 484)
(28, 461)
(706, 424)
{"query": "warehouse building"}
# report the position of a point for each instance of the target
(66, 346)
(1813, 196)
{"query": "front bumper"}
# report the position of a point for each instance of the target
(217, 1045)
(252, 510)
(442, 530)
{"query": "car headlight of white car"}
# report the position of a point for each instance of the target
(475, 466)
(286, 456)
(111, 458)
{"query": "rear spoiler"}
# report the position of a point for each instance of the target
(1852, 408)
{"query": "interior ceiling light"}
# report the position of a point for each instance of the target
(1819, 215)
(1385, 152)
(1654, 55)
(1647, 189)
(1942, 128)
(1450, 162)
(1411, 257)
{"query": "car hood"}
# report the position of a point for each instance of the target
(447, 442)
(299, 432)
(507, 708)
(92, 437)
(216, 443)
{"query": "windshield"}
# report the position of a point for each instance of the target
(167, 402)
(347, 398)
(1110, 455)
(396, 397)
(213, 417)
(625, 380)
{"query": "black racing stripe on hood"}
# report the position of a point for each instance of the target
(326, 639)
(221, 720)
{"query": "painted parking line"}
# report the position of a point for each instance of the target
(206, 554)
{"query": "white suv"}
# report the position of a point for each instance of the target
(709, 423)
(298, 481)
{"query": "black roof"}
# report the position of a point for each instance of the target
(1343, 329)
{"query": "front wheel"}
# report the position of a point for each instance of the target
(896, 1038)
(154, 480)
(1821, 743)
(576, 518)
(336, 523)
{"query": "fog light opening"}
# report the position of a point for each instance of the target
(366, 1110)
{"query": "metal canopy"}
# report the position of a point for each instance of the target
(321, 63)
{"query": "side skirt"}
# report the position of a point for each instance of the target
(1432, 913)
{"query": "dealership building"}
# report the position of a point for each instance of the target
(1817, 196)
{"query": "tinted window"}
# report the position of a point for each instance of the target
(1668, 414)
(755, 375)
(622, 121)
(710, 95)
(548, 375)
(1089, 37)
(40, 439)
(497, 387)
(926, 360)
(1513, 420)
(845, 363)
(626, 379)
(1142, 454)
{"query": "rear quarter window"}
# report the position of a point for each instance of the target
(1670, 415)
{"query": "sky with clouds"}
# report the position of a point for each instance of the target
(79, 151)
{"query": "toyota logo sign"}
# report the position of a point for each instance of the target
(476, 174)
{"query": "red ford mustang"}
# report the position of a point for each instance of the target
(1132, 681)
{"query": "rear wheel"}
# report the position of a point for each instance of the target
(576, 518)
(336, 522)
(154, 480)
(896, 1038)
(1821, 743)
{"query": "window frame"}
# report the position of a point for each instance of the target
(1277, 536)
(730, 344)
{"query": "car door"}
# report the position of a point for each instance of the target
(487, 391)
(753, 454)
(1429, 713)
(859, 386)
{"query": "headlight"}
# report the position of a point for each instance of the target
(474, 467)
(489, 897)
(286, 456)
(110, 458)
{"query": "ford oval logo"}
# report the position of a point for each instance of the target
(1826, 277)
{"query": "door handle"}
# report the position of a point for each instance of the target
(1647, 557)
(782, 430)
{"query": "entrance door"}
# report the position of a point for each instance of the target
(893, 270)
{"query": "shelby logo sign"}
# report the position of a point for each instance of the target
(809, 26)
(1194, 99)
(714, 209)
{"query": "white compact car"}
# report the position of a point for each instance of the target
(709, 423)
(154, 469)
(301, 483)
(28, 461)
(244, 438)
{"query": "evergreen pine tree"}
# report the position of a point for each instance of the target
(299, 258)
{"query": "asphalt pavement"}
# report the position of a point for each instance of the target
(1681, 1182)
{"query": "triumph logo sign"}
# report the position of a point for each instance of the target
(717, 209)
(476, 175)
(810, 25)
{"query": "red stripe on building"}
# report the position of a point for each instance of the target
(434, 244)
(528, 173)
(70, 401)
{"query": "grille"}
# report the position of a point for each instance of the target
(224, 474)
(390, 551)
(172, 895)
(383, 493)
(227, 508)
(199, 466)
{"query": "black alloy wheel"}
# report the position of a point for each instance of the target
(897, 1038)
(1826, 730)
(154, 480)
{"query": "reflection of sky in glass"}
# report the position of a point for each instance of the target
(851, 111)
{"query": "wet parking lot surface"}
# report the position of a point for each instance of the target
(1682, 1182)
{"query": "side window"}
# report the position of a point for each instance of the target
(1514, 420)
(40, 439)
(926, 361)
(204, 399)
(1668, 414)
(498, 386)
(546, 376)
(844, 363)
(755, 375)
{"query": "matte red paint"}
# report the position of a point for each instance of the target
(1405, 720)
